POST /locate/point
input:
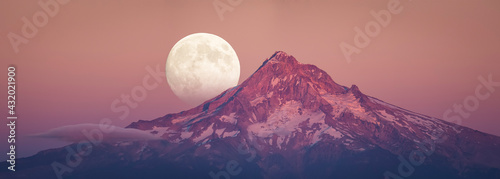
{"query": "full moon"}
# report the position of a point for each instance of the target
(200, 66)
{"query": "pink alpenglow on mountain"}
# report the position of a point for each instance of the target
(288, 120)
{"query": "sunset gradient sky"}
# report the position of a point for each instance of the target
(427, 58)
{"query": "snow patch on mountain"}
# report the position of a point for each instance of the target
(348, 101)
(286, 122)
(257, 100)
(275, 81)
(185, 135)
(219, 132)
(270, 94)
(207, 132)
(160, 131)
(230, 134)
(229, 119)
(386, 116)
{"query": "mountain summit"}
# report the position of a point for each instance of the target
(282, 93)
(291, 120)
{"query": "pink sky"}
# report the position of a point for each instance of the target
(426, 59)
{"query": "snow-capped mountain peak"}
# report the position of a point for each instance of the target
(289, 120)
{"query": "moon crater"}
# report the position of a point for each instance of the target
(200, 66)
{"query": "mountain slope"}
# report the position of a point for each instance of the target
(291, 120)
(287, 105)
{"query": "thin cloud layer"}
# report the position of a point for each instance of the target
(79, 132)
